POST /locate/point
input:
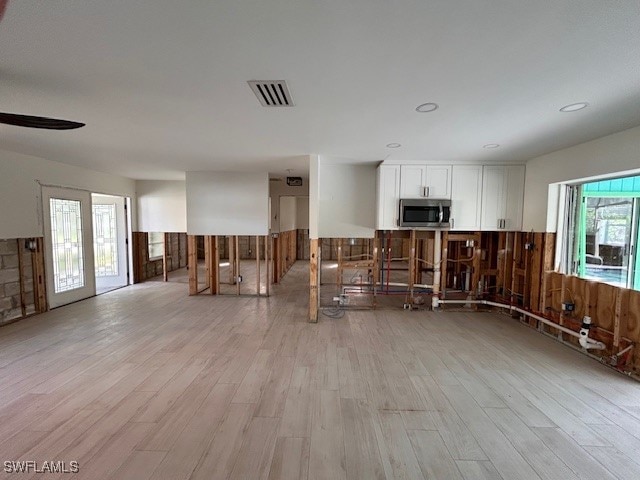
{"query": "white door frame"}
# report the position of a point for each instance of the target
(122, 279)
(89, 287)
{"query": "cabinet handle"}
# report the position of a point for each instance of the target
(425, 191)
(452, 223)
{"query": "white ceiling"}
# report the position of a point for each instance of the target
(161, 84)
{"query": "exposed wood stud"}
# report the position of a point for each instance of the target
(23, 305)
(412, 263)
(192, 242)
(237, 263)
(39, 278)
(276, 258)
(232, 262)
(258, 289)
(375, 268)
(314, 293)
(165, 257)
(339, 271)
(268, 248)
(212, 261)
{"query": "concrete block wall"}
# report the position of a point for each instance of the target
(10, 279)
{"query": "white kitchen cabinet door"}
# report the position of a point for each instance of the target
(466, 197)
(388, 193)
(493, 197)
(502, 197)
(514, 197)
(412, 181)
(438, 181)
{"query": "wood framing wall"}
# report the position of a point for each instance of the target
(284, 253)
(175, 255)
(614, 311)
(22, 280)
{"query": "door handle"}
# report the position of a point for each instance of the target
(425, 191)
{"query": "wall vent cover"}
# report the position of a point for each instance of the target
(272, 93)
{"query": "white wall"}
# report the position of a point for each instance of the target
(162, 205)
(302, 213)
(227, 203)
(617, 153)
(20, 200)
(288, 213)
(346, 199)
(314, 196)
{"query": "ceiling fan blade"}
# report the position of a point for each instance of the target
(3, 7)
(30, 121)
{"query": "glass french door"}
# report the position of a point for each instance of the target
(68, 245)
(109, 242)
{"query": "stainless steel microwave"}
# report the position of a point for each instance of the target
(422, 213)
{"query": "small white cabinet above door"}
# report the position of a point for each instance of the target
(425, 181)
(502, 197)
(388, 196)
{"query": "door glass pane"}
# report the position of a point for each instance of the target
(607, 240)
(105, 241)
(66, 239)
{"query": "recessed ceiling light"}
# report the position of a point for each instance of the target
(393, 145)
(574, 107)
(427, 107)
(491, 145)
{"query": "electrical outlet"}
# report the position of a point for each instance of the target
(568, 306)
(344, 299)
(239, 278)
(529, 246)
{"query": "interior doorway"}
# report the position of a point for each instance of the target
(109, 242)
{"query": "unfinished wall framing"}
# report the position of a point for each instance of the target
(212, 274)
(285, 253)
(174, 258)
(615, 314)
(22, 280)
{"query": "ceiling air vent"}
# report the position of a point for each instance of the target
(272, 93)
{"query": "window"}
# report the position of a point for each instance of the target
(606, 234)
(156, 245)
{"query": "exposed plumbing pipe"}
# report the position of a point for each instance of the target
(584, 335)
(623, 351)
(589, 342)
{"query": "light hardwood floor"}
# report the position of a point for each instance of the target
(148, 383)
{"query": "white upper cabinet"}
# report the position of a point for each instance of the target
(438, 181)
(388, 194)
(425, 181)
(412, 181)
(466, 197)
(502, 197)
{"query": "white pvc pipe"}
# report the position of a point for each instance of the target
(399, 284)
(591, 343)
(584, 334)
